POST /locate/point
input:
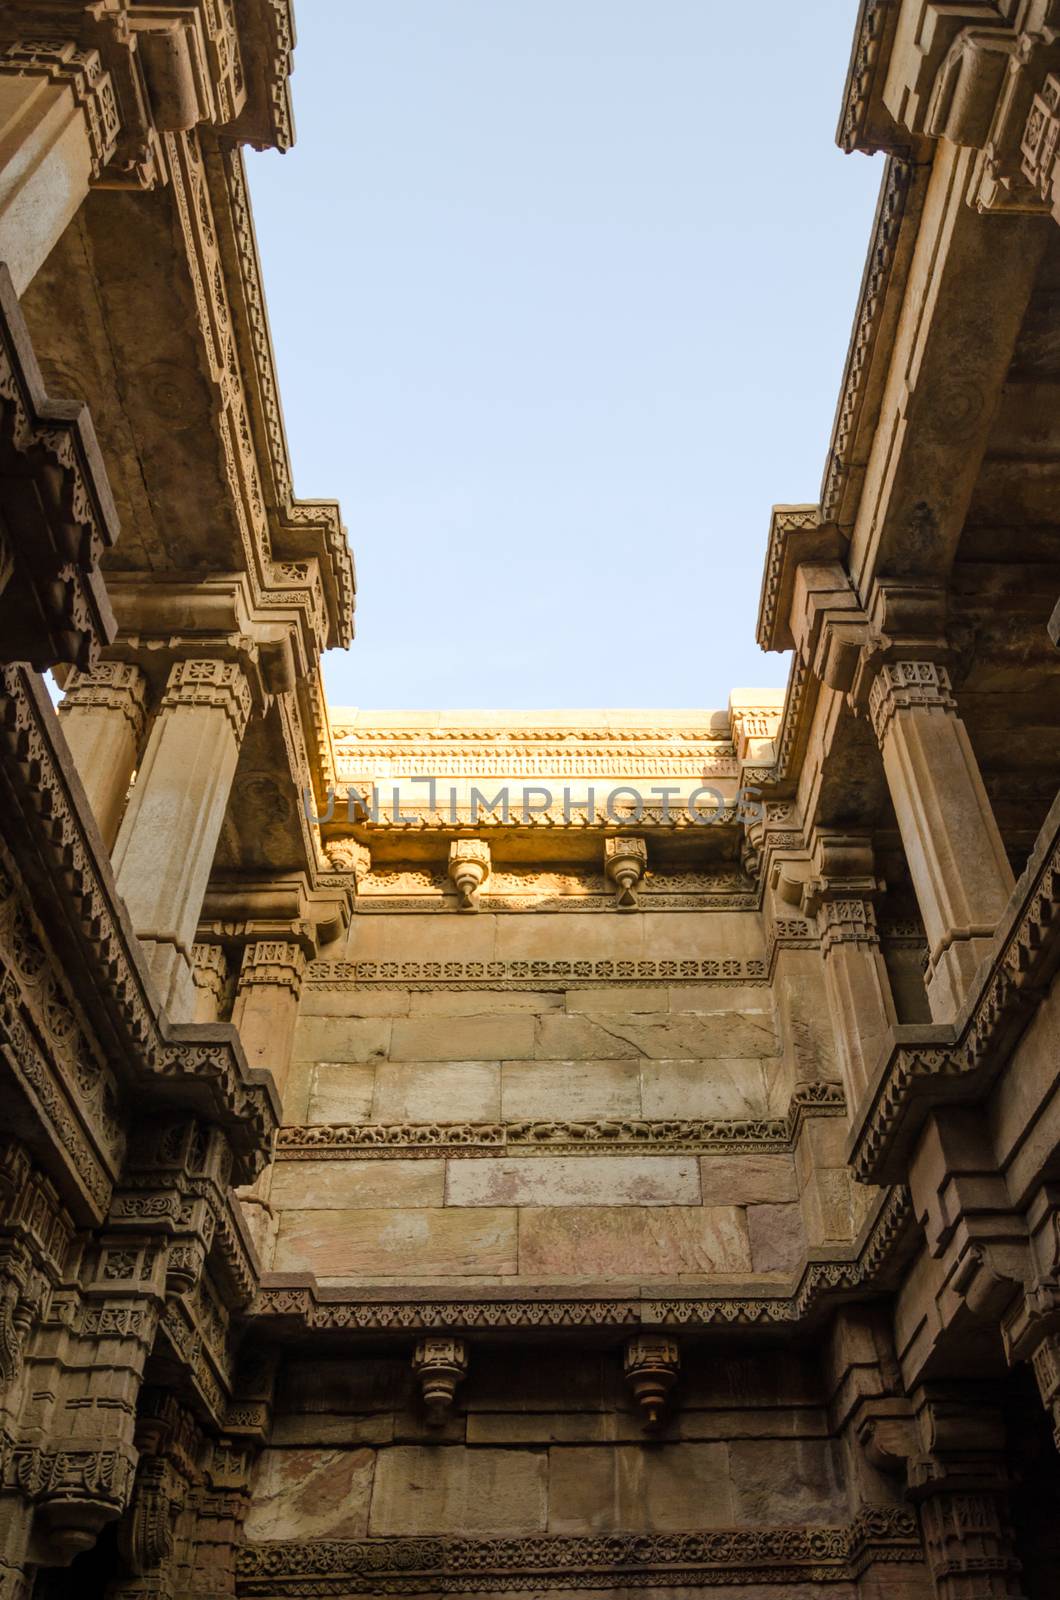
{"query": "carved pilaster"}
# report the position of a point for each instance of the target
(209, 973)
(955, 853)
(168, 838)
(104, 715)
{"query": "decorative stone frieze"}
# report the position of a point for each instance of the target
(469, 868)
(1040, 145)
(651, 1365)
(625, 863)
(718, 1557)
(440, 1365)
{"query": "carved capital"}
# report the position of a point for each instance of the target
(440, 1365)
(84, 73)
(273, 964)
(651, 1364)
(908, 686)
(111, 686)
(347, 855)
(220, 685)
(1040, 144)
(625, 863)
(209, 970)
(469, 868)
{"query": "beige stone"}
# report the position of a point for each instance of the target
(657, 1488)
(598, 1242)
(542, 1090)
(338, 1091)
(720, 1088)
(342, 1038)
(750, 1179)
(425, 1490)
(311, 1494)
(345, 1185)
(437, 1091)
(778, 1238)
(478, 1038)
(397, 1243)
(786, 1481)
(45, 167)
(478, 1002)
(574, 1181)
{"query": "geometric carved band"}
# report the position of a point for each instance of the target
(850, 921)
(220, 684)
(112, 686)
(738, 1556)
(1040, 147)
(273, 964)
(908, 686)
(83, 72)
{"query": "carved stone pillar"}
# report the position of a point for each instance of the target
(58, 127)
(840, 895)
(103, 717)
(266, 1004)
(209, 973)
(168, 837)
(961, 1486)
(956, 858)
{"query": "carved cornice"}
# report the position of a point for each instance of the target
(620, 1136)
(736, 1556)
(213, 684)
(864, 340)
(340, 976)
(875, 26)
(59, 515)
(824, 1282)
(961, 1061)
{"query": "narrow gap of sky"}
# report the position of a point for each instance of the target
(561, 292)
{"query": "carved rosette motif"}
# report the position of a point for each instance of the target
(908, 686)
(221, 685)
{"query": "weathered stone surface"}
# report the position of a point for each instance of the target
(477, 1038)
(719, 1088)
(437, 1091)
(786, 1481)
(425, 1490)
(334, 1038)
(750, 1179)
(311, 1494)
(338, 1091)
(406, 1244)
(483, 1002)
(577, 1037)
(574, 1181)
(569, 1089)
(343, 1185)
(607, 1241)
(658, 1488)
(778, 1238)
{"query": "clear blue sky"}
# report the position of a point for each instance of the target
(561, 292)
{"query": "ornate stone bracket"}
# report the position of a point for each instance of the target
(651, 1365)
(469, 868)
(625, 863)
(440, 1364)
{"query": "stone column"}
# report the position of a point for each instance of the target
(165, 849)
(266, 1004)
(58, 126)
(209, 972)
(103, 718)
(956, 858)
(840, 895)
